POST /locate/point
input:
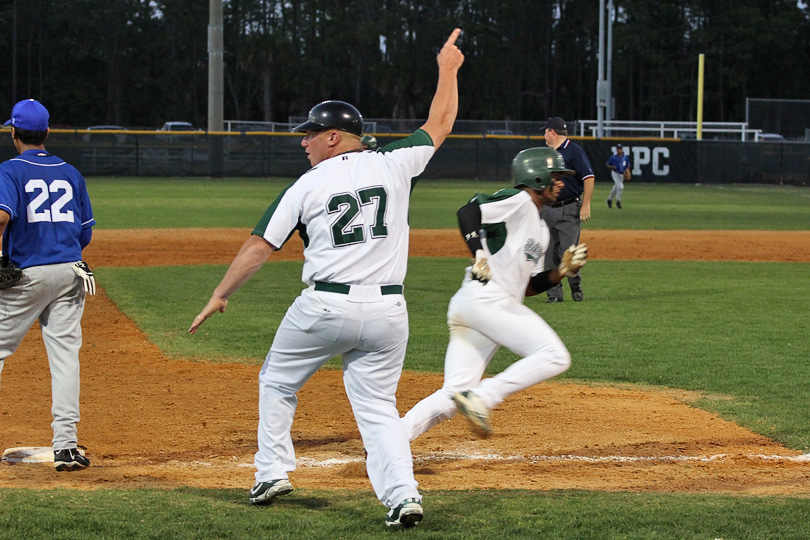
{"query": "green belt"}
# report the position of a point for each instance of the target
(340, 288)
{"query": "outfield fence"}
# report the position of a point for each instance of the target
(486, 157)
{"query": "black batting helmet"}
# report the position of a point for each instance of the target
(333, 114)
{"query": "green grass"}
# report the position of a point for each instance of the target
(123, 203)
(462, 515)
(703, 326)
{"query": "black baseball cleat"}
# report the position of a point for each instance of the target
(553, 300)
(619, 205)
(577, 295)
(610, 203)
(70, 459)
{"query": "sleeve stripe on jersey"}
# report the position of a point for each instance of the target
(420, 137)
(261, 227)
(499, 195)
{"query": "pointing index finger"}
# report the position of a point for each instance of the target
(453, 37)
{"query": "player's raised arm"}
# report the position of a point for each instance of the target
(444, 107)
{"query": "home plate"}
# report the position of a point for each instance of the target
(28, 454)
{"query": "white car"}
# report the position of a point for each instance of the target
(770, 137)
(178, 126)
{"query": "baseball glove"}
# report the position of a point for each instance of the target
(9, 276)
(627, 175)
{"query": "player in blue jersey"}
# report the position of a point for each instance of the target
(618, 164)
(45, 221)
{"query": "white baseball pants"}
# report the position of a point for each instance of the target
(481, 319)
(372, 335)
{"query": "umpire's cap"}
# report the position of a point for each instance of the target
(556, 123)
(333, 114)
(532, 167)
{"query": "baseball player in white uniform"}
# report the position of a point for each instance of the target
(351, 209)
(508, 241)
(45, 221)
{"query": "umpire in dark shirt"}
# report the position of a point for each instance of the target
(573, 205)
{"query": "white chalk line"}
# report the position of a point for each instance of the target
(309, 462)
(517, 458)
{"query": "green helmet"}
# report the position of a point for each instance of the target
(532, 167)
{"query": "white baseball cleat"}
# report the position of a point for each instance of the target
(265, 492)
(473, 409)
(407, 514)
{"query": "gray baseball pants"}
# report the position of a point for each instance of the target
(52, 294)
(564, 224)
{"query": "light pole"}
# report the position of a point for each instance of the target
(609, 75)
(216, 48)
(601, 83)
(215, 62)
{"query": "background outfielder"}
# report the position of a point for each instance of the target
(617, 163)
(351, 209)
(46, 220)
(488, 312)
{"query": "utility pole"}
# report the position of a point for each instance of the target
(216, 163)
(602, 89)
(609, 75)
(14, 52)
(215, 63)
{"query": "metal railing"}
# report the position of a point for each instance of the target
(583, 128)
(247, 125)
(665, 130)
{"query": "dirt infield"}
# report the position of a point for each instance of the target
(149, 421)
(161, 247)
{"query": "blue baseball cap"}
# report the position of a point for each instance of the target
(29, 114)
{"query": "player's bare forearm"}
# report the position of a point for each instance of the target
(444, 107)
(251, 257)
(4, 219)
(587, 191)
(587, 194)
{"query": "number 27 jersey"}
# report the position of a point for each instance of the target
(351, 211)
(49, 207)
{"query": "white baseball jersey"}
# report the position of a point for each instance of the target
(351, 211)
(484, 317)
(516, 238)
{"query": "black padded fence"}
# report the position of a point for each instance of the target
(141, 153)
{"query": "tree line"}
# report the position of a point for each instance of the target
(139, 63)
